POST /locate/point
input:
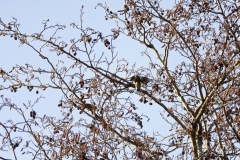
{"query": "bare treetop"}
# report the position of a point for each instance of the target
(199, 96)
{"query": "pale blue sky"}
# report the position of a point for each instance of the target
(30, 15)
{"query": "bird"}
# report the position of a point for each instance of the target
(138, 81)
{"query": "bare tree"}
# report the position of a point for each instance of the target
(201, 93)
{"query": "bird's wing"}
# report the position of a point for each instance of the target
(132, 78)
(145, 79)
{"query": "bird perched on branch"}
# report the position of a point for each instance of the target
(138, 81)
